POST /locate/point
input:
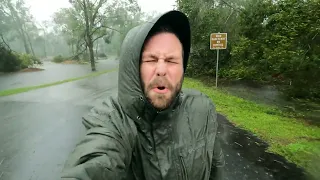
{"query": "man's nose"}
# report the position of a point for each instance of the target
(161, 68)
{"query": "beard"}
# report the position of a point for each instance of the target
(162, 101)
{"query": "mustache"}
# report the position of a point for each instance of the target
(160, 82)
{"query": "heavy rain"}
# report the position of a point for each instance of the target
(59, 59)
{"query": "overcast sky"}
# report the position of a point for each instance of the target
(43, 9)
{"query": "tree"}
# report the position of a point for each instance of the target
(71, 26)
(205, 18)
(268, 41)
(19, 19)
(88, 21)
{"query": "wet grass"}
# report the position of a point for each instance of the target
(29, 88)
(292, 138)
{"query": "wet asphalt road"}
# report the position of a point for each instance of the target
(247, 159)
(40, 128)
(52, 72)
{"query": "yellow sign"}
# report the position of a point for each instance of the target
(218, 41)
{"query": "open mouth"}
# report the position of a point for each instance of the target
(161, 87)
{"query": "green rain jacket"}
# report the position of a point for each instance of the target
(127, 139)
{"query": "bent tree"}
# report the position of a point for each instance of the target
(86, 21)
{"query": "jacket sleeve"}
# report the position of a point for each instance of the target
(218, 162)
(104, 153)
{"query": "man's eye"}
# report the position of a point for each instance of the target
(151, 60)
(172, 61)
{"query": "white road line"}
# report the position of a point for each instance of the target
(1, 162)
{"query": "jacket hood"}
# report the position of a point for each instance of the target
(130, 92)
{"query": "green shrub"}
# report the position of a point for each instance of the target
(13, 61)
(36, 60)
(102, 55)
(8, 61)
(58, 59)
(25, 60)
(274, 43)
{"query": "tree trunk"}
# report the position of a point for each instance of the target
(77, 51)
(45, 44)
(90, 45)
(89, 40)
(72, 48)
(44, 48)
(97, 49)
(24, 40)
(29, 40)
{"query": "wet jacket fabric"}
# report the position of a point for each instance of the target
(128, 139)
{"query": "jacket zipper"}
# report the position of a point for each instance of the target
(184, 169)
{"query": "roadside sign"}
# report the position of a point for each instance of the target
(218, 41)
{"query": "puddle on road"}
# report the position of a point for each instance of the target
(246, 157)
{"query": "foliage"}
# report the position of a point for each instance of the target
(289, 137)
(8, 61)
(102, 55)
(27, 60)
(21, 33)
(58, 59)
(268, 41)
(12, 61)
(17, 22)
(87, 21)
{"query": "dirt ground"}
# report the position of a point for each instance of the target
(31, 70)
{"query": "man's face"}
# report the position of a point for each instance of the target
(162, 69)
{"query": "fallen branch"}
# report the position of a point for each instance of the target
(73, 56)
(4, 42)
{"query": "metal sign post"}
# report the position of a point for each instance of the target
(218, 41)
(217, 68)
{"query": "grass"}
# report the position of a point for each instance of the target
(292, 138)
(26, 89)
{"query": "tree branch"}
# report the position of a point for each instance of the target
(5, 42)
(95, 2)
(82, 38)
(95, 30)
(81, 4)
(96, 21)
(111, 28)
(229, 4)
(5, 12)
(98, 37)
(315, 36)
(97, 10)
(73, 56)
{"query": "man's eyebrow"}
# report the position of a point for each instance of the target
(155, 56)
(152, 55)
(172, 56)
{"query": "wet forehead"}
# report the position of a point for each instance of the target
(162, 44)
